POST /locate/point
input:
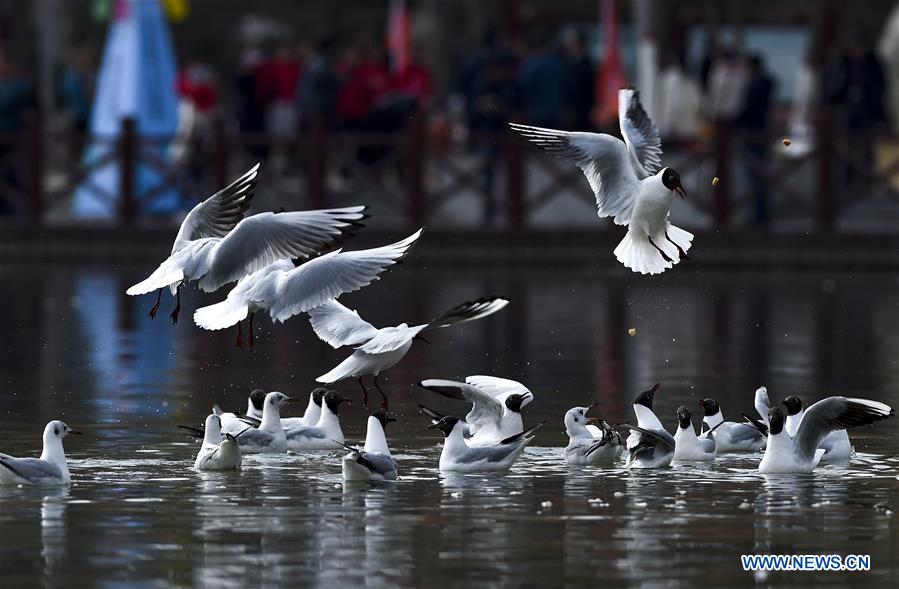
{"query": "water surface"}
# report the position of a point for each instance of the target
(137, 515)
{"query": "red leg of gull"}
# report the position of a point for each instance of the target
(239, 337)
(364, 393)
(177, 308)
(384, 401)
(155, 307)
(251, 331)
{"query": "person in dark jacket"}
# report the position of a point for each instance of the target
(753, 121)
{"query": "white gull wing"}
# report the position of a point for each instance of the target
(486, 410)
(236, 306)
(327, 277)
(340, 326)
(640, 134)
(835, 413)
(605, 161)
(500, 387)
(29, 470)
(218, 214)
(389, 339)
(259, 240)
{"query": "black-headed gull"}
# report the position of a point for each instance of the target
(836, 446)
(50, 469)
(285, 289)
(802, 452)
(586, 449)
(688, 447)
(373, 462)
(496, 405)
(730, 436)
(648, 445)
(216, 245)
(457, 455)
(219, 451)
(379, 349)
(629, 183)
(326, 434)
(269, 436)
(313, 410)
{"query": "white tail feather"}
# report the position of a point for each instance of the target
(221, 315)
(165, 275)
(636, 253)
(354, 365)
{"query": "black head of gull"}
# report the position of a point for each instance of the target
(445, 425)
(318, 394)
(513, 402)
(645, 398)
(683, 417)
(710, 406)
(671, 181)
(383, 418)
(333, 399)
(775, 420)
(257, 398)
(793, 405)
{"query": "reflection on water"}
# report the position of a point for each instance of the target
(137, 515)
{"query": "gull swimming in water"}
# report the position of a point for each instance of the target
(457, 455)
(313, 410)
(373, 462)
(217, 245)
(836, 445)
(688, 447)
(730, 436)
(496, 405)
(269, 437)
(584, 448)
(801, 453)
(629, 183)
(50, 469)
(648, 445)
(379, 349)
(326, 434)
(286, 288)
(219, 451)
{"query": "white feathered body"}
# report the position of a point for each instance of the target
(688, 447)
(781, 456)
(223, 456)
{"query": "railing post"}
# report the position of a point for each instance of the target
(417, 160)
(318, 162)
(35, 168)
(722, 163)
(515, 200)
(127, 170)
(823, 139)
(221, 152)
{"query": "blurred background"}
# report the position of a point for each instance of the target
(124, 113)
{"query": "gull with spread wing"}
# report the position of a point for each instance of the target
(629, 183)
(217, 245)
(379, 349)
(286, 288)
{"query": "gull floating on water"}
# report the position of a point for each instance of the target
(496, 405)
(326, 434)
(457, 455)
(836, 446)
(285, 288)
(373, 462)
(313, 410)
(629, 183)
(584, 448)
(50, 469)
(217, 245)
(730, 436)
(379, 349)
(217, 453)
(648, 445)
(801, 453)
(269, 436)
(688, 447)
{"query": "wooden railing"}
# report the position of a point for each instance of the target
(427, 169)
